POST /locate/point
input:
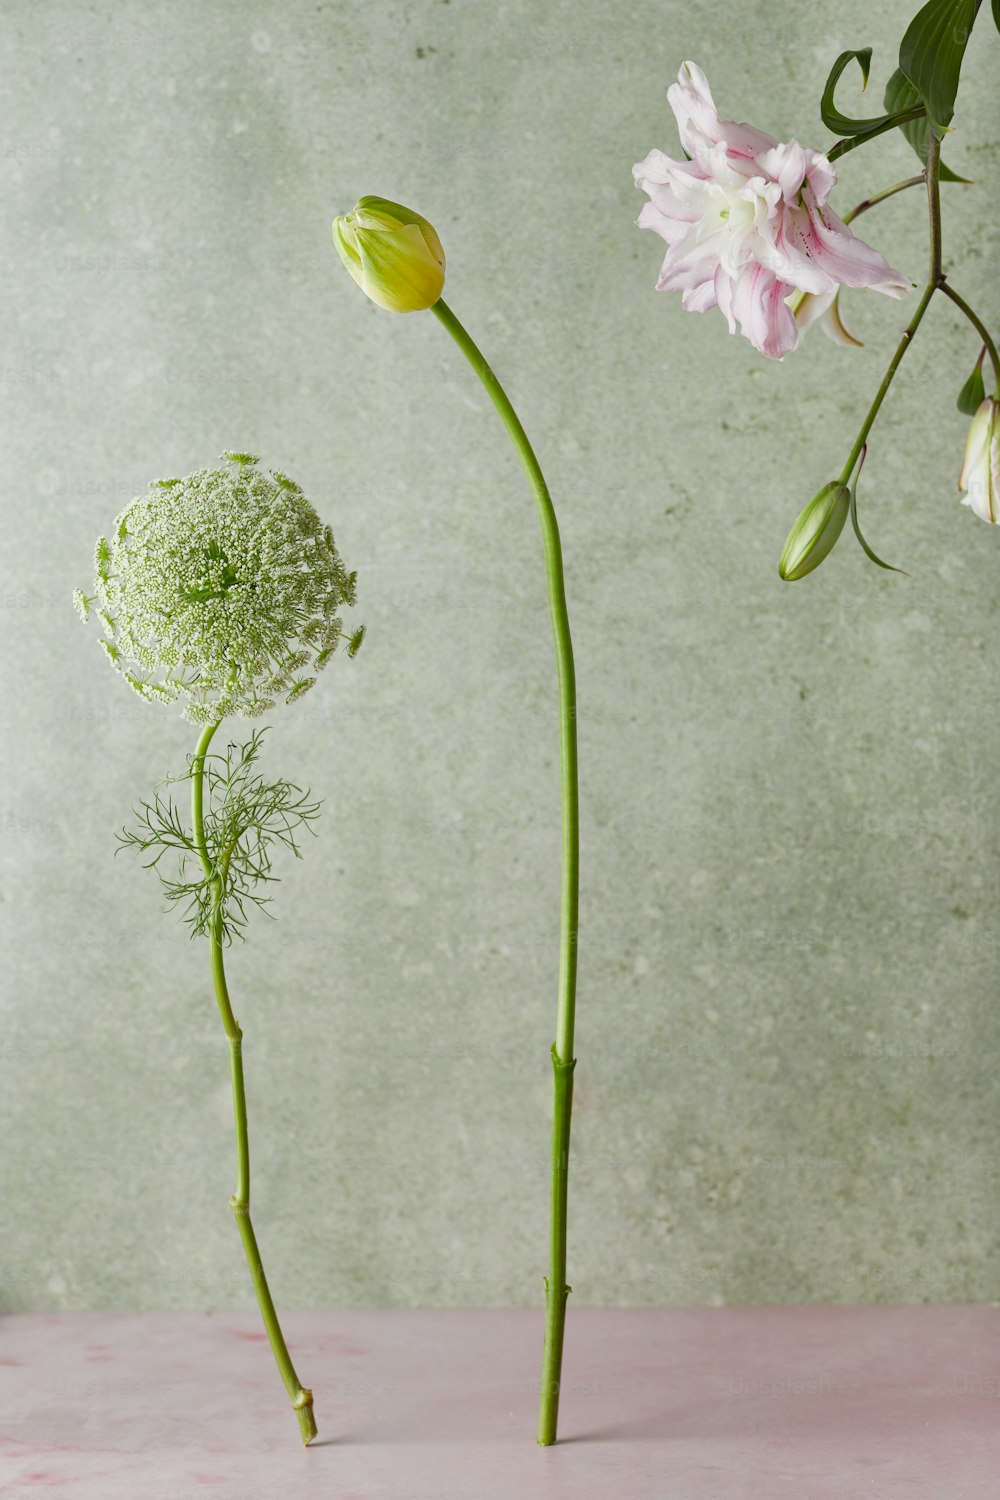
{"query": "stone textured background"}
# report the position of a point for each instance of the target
(788, 1029)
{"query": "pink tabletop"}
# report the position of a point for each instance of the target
(812, 1403)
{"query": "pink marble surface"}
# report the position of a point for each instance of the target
(820, 1403)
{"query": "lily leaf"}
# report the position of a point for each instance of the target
(931, 54)
(901, 95)
(973, 393)
(832, 118)
(872, 556)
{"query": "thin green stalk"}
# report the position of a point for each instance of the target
(556, 1288)
(889, 192)
(980, 328)
(563, 1061)
(301, 1398)
(934, 281)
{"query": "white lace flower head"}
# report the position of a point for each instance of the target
(221, 591)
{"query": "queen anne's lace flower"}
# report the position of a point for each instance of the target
(220, 590)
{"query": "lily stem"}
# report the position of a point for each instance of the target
(889, 192)
(980, 328)
(302, 1400)
(934, 281)
(563, 1062)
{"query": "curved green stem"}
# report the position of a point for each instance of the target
(934, 281)
(889, 192)
(301, 1398)
(556, 1290)
(980, 328)
(852, 142)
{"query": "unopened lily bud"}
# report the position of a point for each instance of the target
(815, 532)
(393, 254)
(980, 476)
(823, 308)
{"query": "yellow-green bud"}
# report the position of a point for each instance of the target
(815, 531)
(393, 254)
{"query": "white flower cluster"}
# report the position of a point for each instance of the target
(221, 590)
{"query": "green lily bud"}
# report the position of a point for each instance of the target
(815, 532)
(393, 254)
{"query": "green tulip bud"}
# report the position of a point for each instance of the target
(393, 254)
(815, 532)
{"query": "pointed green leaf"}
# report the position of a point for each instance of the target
(872, 556)
(931, 54)
(973, 393)
(832, 118)
(901, 95)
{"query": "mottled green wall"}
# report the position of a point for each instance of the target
(788, 982)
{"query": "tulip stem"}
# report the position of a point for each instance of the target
(563, 1062)
(980, 328)
(934, 281)
(239, 1203)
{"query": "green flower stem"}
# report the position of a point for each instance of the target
(980, 328)
(942, 284)
(889, 192)
(563, 1061)
(301, 1398)
(934, 281)
(556, 1289)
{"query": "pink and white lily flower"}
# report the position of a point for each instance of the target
(748, 225)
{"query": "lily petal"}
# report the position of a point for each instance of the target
(846, 258)
(761, 309)
(698, 120)
(823, 308)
